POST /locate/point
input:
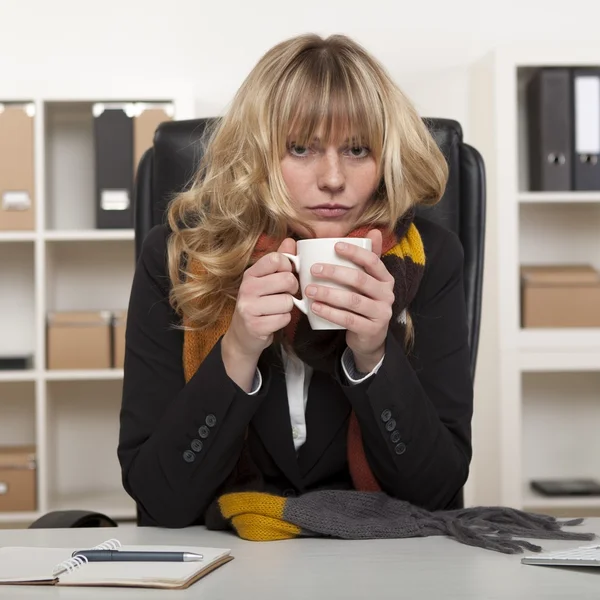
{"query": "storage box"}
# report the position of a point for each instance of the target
(16, 167)
(79, 340)
(144, 126)
(560, 296)
(17, 478)
(118, 338)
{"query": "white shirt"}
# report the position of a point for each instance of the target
(297, 380)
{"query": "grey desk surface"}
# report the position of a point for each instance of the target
(303, 569)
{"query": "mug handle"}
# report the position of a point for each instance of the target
(301, 304)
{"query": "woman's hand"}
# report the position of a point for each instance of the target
(263, 306)
(366, 309)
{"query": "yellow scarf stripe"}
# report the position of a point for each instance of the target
(257, 516)
(411, 246)
(258, 528)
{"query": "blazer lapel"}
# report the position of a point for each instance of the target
(272, 424)
(327, 410)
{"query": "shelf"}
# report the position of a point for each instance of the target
(559, 197)
(559, 340)
(20, 375)
(117, 504)
(89, 235)
(532, 500)
(83, 375)
(17, 236)
(559, 361)
(19, 517)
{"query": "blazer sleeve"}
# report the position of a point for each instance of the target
(415, 413)
(178, 441)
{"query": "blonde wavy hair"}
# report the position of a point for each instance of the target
(301, 86)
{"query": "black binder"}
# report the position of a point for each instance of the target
(586, 129)
(549, 111)
(113, 133)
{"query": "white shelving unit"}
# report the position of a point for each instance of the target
(538, 388)
(71, 416)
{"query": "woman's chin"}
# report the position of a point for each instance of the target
(331, 230)
(324, 229)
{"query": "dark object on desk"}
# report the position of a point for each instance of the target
(16, 363)
(566, 487)
(586, 129)
(169, 165)
(550, 130)
(59, 519)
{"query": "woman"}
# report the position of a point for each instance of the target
(225, 383)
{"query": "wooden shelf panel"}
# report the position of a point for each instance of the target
(89, 235)
(83, 375)
(559, 197)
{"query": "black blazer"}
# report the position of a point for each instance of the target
(179, 442)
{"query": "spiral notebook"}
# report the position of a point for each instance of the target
(55, 566)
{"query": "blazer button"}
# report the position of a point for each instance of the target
(289, 493)
(211, 420)
(395, 437)
(386, 415)
(196, 445)
(189, 456)
(400, 448)
(390, 425)
(203, 431)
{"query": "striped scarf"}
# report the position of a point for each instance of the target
(403, 255)
(365, 512)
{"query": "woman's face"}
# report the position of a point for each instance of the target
(329, 185)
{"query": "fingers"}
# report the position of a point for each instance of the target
(288, 246)
(350, 321)
(376, 241)
(275, 283)
(370, 261)
(268, 305)
(270, 263)
(361, 281)
(350, 301)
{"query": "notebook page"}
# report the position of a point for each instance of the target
(145, 574)
(19, 564)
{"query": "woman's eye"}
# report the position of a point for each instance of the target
(296, 150)
(359, 151)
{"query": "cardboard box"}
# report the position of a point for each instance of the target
(560, 296)
(79, 340)
(17, 478)
(118, 338)
(17, 210)
(144, 126)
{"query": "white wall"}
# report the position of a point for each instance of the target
(426, 46)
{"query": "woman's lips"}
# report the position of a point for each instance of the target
(330, 212)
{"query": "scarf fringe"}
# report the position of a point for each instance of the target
(495, 528)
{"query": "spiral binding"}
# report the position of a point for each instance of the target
(67, 566)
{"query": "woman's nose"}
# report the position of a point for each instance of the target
(331, 172)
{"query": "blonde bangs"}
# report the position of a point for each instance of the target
(303, 88)
(332, 98)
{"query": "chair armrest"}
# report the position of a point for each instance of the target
(72, 518)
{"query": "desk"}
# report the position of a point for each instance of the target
(416, 569)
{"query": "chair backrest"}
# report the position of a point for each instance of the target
(169, 166)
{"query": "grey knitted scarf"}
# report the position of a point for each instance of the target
(366, 515)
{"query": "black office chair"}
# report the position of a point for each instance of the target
(169, 166)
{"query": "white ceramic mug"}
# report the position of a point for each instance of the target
(320, 250)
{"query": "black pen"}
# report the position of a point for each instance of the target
(137, 556)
